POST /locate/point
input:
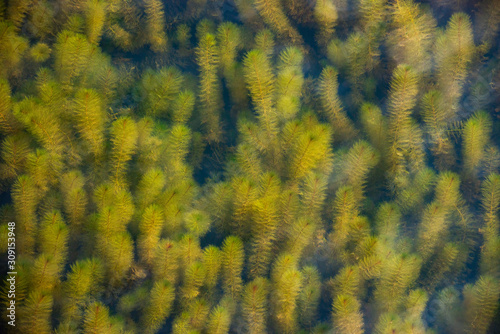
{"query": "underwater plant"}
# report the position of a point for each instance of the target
(260, 166)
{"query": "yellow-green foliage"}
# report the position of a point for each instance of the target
(232, 266)
(7, 120)
(25, 199)
(194, 277)
(41, 18)
(454, 51)
(12, 47)
(264, 41)
(481, 303)
(273, 14)
(158, 89)
(75, 197)
(332, 106)
(254, 305)
(436, 116)
(54, 237)
(150, 187)
(435, 218)
(83, 278)
(373, 12)
(97, 320)
(346, 282)
(358, 162)
(490, 203)
(299, 235)
(475, 134)
(326, 17)
(388, 221)
(40, 52)
(219, 321)
(211, 99)
(260, 166)
(150, 228)
(41, 123)
(347, 317)
(36, 313)
(412, 35)
(308, 150)
(212, 262)
(286, 287)
(375, 125)
(166, 261)
(405, 153)
(309, 296)
(313, 195)
(346, 216)
(95, 16)
(45, 273)
(229, 39)
(412, 197)
(289, 83)
(155, 25)
(90, 120)
(263, 230)
(160, 302)
(16, 11)
(14, 153)
(197, 222)
(123, 139)
(39, 166)
(71, 52)
(441, 265)
(178, 140)
(183, 106)
(260, 82)
(398, 273)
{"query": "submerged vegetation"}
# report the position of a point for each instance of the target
(251, 166)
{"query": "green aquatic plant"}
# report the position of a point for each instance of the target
(405, 154)
(208, 61)
(91, 120)
(159, 305)
(219, 321)
(454, 52)
(123, 138)
(14, 152)
(158, 90)
(436, 117)
(40, 52)
(155, 22)
(36, 311)
(286, 283)
(260, 80)
(481, 302)
(346, 315)
(232, 266)
(272, 12)
(475, 134)
(254, 166)
(254, 304)
(491, 204)
(326, 16)
(332, 107)
(95, 17)
(289, 83)
(412, 36)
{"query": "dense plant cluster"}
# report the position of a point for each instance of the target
(251, 166)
